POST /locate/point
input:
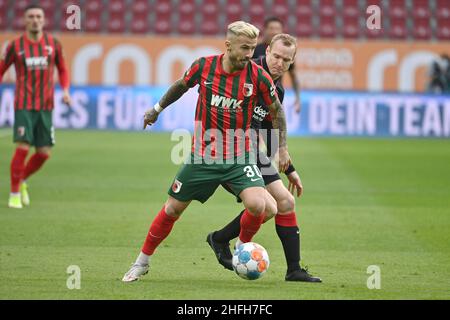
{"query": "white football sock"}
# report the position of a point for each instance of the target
(143, 259)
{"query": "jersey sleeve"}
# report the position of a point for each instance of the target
(267, 89)
(60, 62)
(192, 75)
(7, 58)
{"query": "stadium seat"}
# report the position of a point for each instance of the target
(18, 23)
(421, 29)
(304, 27)
(280, 9)
(397, 9)
(187, 7)
(186, 26)
(443, 29)
(94, 7)
(20, 5)
(350, 8)
(398, 28)
(18, 10)
(443, 9)
(163, 27)
(327, 8)
(140, 24)
(327, 27)
(257, 13)
(234, 11)
(4, 5)
(116, 22)
(210, 8)
(116, 6)
(210, 26)
(421, 9)
(303, 8)
(49, 7)
(351, 27)
(140, 7)
(93, 23)
(50, 24)
(4, 20)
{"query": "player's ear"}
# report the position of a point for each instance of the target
(267, 50)
(228, 45)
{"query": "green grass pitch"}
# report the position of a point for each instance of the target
(366, 202)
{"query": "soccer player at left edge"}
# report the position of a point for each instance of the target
(35, 54)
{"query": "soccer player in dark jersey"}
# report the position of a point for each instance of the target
(35, 55)
(279, 55)
(230, 86)
(272, 27)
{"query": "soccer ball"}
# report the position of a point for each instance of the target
(250, 261)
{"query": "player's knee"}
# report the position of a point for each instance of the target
(256, 206)
(174, 208)
(271, 207)
(286, 203)
(44, 150)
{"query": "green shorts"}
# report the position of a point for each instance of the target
(34, 127)
(200, 181)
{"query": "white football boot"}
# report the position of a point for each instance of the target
(135, 273)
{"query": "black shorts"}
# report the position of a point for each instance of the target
(269, 173)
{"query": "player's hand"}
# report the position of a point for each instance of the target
(150, 117)
(284, 159)
(295, 183)
(297, 105)
(66, 98)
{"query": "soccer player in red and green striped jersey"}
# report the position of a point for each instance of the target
(35, 55)
(230, 86)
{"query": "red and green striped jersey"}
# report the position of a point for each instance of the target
(225, 103)
(35, 63)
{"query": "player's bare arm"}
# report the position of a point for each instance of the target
(176, 90)
(66, 97)
(279, 122)
(296, 88)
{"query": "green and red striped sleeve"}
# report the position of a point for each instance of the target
(7, 59)
(192, 75)
(63, 73)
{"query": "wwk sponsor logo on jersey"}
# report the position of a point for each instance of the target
(37, 62)
(224, 102)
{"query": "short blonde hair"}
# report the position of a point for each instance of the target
(242, 28)
(287, 39)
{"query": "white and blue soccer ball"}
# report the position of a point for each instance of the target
(250, 261)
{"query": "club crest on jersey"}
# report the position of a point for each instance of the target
(49, 50)
(176, 186)
(21, 131)
(248, 89)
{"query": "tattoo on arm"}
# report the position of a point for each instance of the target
(279, 121)
(176, 90)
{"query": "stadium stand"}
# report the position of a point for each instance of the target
(401, 19)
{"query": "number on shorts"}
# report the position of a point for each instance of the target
(250, 171)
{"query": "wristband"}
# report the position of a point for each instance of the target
(290, 169)
(158, 108)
